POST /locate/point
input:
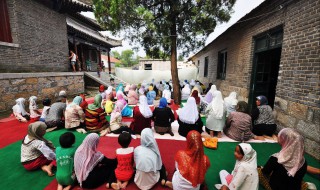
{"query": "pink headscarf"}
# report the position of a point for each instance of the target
(291, 153)
(120, 98)
(117, 111)
(87, 157)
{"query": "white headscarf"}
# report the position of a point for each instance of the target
(186, 89)
(213, 89)
(291, 153)
(19, 107)
(249, 158)
(63, 93)
(216, 107)
(144, 107)
(192, 82)
(189, 113)
(33, 103)
(231, 99)
(147, 156)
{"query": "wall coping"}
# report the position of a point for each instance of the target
(9, 44)
(38, 75)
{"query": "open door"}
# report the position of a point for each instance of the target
(266, 67)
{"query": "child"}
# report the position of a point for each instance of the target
(98, 70)
(34, 112)
(124, 170)
(88, 64)
(245, 174)
(19, 111)
(36, 151)
(108, 106)
(46, 106)
(65, 156)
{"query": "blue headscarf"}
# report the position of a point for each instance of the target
(119, 87)
(76, 101)
(263, 100)
(163, 103)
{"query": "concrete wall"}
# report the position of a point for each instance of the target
(16, 85)
(39, 39)
(297, 102)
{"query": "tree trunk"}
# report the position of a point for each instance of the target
(174, 69)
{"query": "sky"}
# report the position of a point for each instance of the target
(241, 8)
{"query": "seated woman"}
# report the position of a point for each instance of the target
(230, 103)
(191, 164)
(74, 116)
(167, 93)
(195, 94)
(238, 125)
(207, 99)
(149, 166)
(91, 167)
(189, 118)
(142, 116)
(36, 151)
(216, 115)
(46, 106)
(244, 175)
(19, 111)
(84, 103)
(116, 125)
(151, 95)
(185, 92)
(264, 122)
(95, 117)
(33, 108)
(285, 169)
(119, 87)
(55, 116)
(163, 117)
(133, 96)
(126, 111)
(127, 88)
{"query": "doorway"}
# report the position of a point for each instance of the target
(265, 70)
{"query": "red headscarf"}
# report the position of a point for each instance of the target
(192, 163)
(101, 88)
(196, 97)
(84, 103)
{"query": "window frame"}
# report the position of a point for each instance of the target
(5, 30)
(206, 66)
(222, 64)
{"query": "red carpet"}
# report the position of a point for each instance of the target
(12, 131)
(108, 146)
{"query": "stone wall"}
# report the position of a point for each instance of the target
(39, 39)
(16, 85)
(297, 89)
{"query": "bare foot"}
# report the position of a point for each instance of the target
(267, 137)
(60, 187)
(67, 188)
(275, 138)
(47, 168)
(166, 183)
(115, 186)
(124, 185)
(104, 132)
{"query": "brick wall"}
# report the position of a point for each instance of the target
(297, 93)
(42, 85)
(41, 36)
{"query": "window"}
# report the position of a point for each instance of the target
(206, 65)
(5, 32)
(147, 66)
(198, 63)
(222, 65)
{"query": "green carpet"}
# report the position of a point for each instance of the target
(14, 176)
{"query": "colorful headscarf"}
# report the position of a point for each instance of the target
(96, 104)
(120, 98)
(101, 88)
(37, 130)
(84, 103)
(87, 157)
(76, 101)
(192, 162)
(144, 107)
(291, 153)
(189, 113)
(195, 94)
(163, 103)
(150, 88)
(119, 87)
(147, 156)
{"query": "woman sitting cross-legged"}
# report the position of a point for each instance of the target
(286, 169)
(132, 95)
(142, 116)
(36, 151)
(191, 165)
(163, 117)
(126, 111)
(19, 111)
(189, 118)
(149, 166)
(262, 116)
(74, 116)
(95, 116)
(116, 125)
(91, 167)
(238, 125)
(244, 175)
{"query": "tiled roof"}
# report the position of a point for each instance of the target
(112, 59)
(74, 5)
(91, 34)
